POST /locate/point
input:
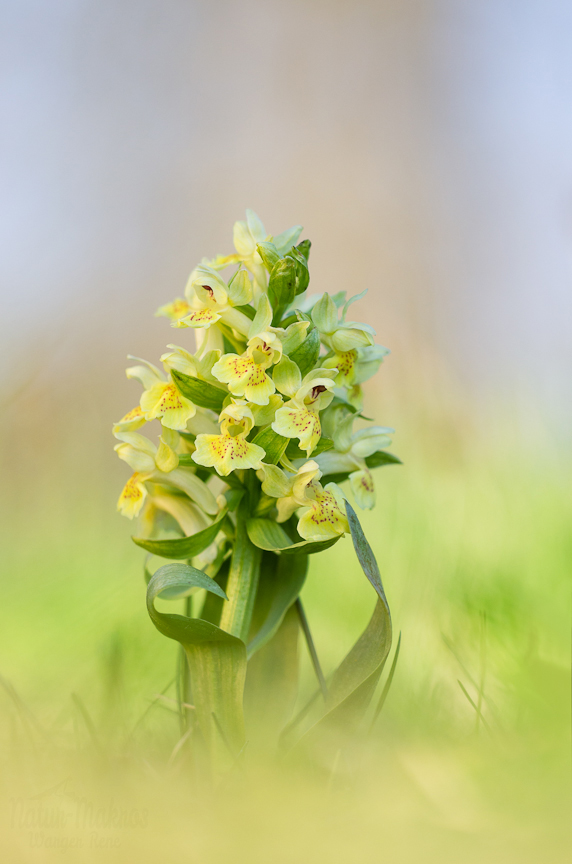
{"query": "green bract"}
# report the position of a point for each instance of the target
(258, 426)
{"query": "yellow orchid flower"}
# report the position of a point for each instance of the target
(230, 450)
(160, 398)
(133, 420)
(145, 458)
(163, 401)
(320, 509)
(246, 374)
(133, 495)
(357, 365)
(175, 310)
(324, 518)
(300, 418)
(290, 491)
(213, 300)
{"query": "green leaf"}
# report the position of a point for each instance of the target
(217, 660)
(304, 248)
(272, 681)
(382, 457)
(243, 576)
(282, 284)
(186, 461)
(269, 254)
(293, 450)
(269, 535)
(183, 547)
(352, 685)
(306, 355)
(233, 498)
(273, 444)
(247, 310)
(366, 557)
(302, 273)
(374, 461)
(280, 585)
(212, 606)
(199, 392)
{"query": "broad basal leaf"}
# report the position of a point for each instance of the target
(217, 660)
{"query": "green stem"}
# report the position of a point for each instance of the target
(242, 583)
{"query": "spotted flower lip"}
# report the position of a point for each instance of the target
(131, 421)
(299, 418)
(163, 401)
(324, 518)
(357, 365)
(230, 450)
(133, 495)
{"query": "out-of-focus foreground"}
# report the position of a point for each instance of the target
(470, 756)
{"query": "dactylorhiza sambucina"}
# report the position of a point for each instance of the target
(261, 425)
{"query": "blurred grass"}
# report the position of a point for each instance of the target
(473, 539)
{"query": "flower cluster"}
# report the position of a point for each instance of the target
(264, 407)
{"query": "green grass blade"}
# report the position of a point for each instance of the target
(386, 688)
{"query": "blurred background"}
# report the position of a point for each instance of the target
(425, 147)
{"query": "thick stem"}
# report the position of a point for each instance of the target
(242, 583)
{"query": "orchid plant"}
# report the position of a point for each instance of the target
(248, 476)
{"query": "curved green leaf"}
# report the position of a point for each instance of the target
(352, 685)
(306, 355)
(382, 457)
(199, 392)
(182, 547)
(217, 660)
(269, 535)
(273, 444)
(280, 585)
